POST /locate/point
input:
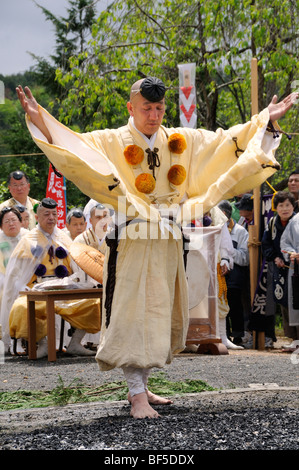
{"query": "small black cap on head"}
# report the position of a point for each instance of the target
(153, 89)
(48, 203)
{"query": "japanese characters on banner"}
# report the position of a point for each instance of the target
(56, 190)
(187, 95)
(260, 297)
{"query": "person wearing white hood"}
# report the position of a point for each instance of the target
(100, 220)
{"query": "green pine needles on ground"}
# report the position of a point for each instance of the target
(78, 393)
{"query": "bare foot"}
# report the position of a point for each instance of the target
(141, 408)
(157, 400)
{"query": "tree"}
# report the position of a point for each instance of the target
(136, 38)
(71, 36)
(71, 33)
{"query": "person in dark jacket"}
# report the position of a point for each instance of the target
(277, 274)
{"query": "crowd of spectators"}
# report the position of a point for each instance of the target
(279, 259)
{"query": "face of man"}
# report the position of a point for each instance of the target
(293, 184)
(19, 189)
(99, 220)
(147, 116)
(47, 219)
(248, 215)
(11, 225)
(25, 219)
(76, 226)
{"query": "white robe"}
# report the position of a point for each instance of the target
(290, 242)
(149, 317)
(20, 275)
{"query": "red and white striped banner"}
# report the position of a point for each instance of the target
(187, 95)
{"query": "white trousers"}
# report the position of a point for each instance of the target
(136, 379)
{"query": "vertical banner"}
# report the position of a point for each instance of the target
(187, 95)
(56, 190)
(258, 309)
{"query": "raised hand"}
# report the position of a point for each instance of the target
(30, 106)
(278, 110)
(27, 100)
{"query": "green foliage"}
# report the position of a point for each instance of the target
(133, 39)
(71, 34)
(16, 140)
(77, 392)
(87, 84)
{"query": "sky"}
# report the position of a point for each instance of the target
(24, 29)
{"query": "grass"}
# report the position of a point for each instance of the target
(78, 393)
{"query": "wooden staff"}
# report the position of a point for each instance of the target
(254, 230)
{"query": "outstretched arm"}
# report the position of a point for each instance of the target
(30, 106)
(278, 110)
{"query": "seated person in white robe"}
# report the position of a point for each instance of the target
(43, 254)
(140, 168)
(19, 187)
(94, 236)
(99, 217)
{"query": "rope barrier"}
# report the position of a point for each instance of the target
(22, 155)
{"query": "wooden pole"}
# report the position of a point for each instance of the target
(254, 230)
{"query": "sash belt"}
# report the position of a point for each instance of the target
(112, 241)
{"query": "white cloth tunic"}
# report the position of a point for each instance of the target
(290, 242)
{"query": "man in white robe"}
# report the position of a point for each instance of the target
(146, 320)
(99, 218)
(19, 187)
(94, 236)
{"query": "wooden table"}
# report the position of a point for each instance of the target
(50, 296)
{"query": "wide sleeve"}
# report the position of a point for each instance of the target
(80, 158)
(85, 160)
(229, 162)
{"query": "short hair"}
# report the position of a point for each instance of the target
(295, 172)
(17, 175)
(226, 207)
(6, 210)
(78, 213)
(282, 196)
(21, 209)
